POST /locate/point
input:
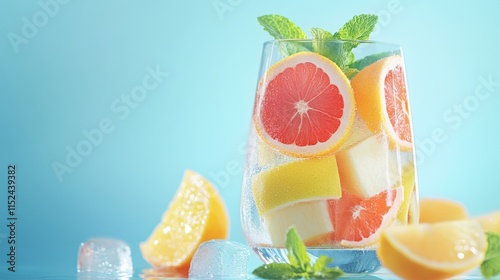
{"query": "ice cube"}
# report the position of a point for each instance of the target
(220, 259)
(104, 257)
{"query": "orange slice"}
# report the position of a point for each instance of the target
(304, 106)
(382, 100)
(358, 222)
(433, 210)
(432, 251)
(490, 222)
(196, 214)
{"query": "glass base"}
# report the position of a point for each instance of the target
(351, 261)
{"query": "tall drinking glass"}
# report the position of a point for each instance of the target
(330, 151)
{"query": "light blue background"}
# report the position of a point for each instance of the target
(67, 76)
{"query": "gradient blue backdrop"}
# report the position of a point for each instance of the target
(72, 69)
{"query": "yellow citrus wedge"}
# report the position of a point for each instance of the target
(196, 214)
(303, 180)
(304, 106)
(296, 194)
(382, 100)
(490, 222)
(432, 251)
(433, 210)
(408, 212)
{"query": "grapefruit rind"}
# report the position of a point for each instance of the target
(337, 77)
(369, 93)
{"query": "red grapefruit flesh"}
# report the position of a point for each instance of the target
(305, 105)
(358, 222)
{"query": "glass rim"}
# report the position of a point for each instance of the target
(307, 40)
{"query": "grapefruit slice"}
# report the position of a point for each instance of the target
(358, 222)
(432, 251)
(305, 105)
(382, 100)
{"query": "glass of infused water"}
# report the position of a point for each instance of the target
(330, 151)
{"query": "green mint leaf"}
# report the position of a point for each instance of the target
(322, 263)
(322, 271)
(323, 45)
(299, 266)
(297, 253)
(491, 264)
(320, 42)
(367, 60)
(358, 28)
(280, 27)
(321, 34)
(276, 271)
(350, 72)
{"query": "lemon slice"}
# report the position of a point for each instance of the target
(303, 180)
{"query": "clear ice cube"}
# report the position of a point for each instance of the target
(104, 257)
(220, 259)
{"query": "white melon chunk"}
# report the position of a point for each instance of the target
(368, 167)
(310, 219)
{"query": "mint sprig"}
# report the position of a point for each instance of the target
(358, 28)
(299, 265)
(280, 27)
(491, 263)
